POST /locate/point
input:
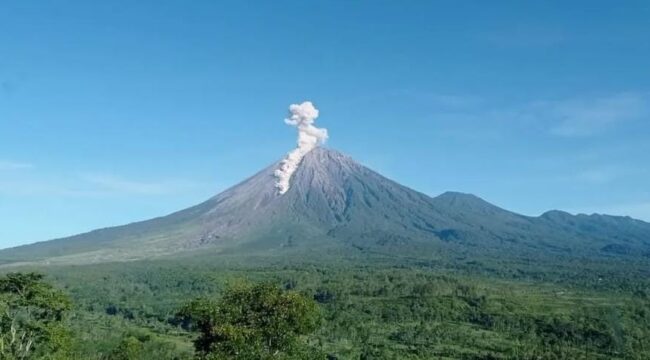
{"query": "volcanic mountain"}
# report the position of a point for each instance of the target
(334, 206)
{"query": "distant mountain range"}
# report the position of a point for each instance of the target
(336, 206)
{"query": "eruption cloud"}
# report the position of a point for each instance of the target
(301, 116)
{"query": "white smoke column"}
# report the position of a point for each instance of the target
(301, 116)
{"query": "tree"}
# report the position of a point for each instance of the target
(253, 322)
(129, 348)
(31, 318)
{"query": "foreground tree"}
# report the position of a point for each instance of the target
(129, 348)
(31, 318)
(253, 322)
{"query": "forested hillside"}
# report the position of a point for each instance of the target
(377, 309)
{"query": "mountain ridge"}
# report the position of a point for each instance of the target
(334, 201)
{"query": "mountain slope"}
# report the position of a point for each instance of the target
(334, 202)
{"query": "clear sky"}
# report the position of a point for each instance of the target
(118, 111)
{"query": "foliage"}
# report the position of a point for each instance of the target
(252, 322)
(32, 316)
(378, 307)
(128, 349)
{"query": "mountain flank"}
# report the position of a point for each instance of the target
(334, 203)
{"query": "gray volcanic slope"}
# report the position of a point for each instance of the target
(335, 202)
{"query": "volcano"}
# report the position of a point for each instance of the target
(336, 205)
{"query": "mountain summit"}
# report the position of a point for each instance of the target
(334, 202)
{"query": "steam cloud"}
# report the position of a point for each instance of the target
(301, 116)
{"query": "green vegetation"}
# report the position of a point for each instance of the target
(31, 318)
(369, 308)
(395, 274)
(253, 322)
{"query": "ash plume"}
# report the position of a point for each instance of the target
(302, 116)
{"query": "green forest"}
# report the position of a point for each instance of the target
(372, 308)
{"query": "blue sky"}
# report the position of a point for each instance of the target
(113, 112)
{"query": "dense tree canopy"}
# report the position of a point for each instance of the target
(31, 318)
(253, 322)
(370, 311)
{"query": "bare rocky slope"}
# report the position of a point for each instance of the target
(334, 202)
